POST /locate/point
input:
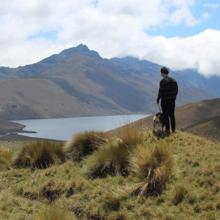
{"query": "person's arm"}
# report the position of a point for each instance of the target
(159, 94)
(177, 88)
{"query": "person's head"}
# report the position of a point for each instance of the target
(164, 71)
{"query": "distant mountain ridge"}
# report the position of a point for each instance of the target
(79, 82)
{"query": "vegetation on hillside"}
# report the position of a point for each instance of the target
(39, 154)
(153, 165)
(141, 178)
(53, 212)
(112, 157)
(199, 118)
(83, 144)
(209, 129)
(5, 157)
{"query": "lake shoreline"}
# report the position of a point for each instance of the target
(7, 127)
(63, 128)
(20, 129)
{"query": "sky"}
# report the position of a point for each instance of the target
(180, 34)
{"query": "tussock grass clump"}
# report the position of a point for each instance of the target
(26, 193)
(121, 215)
(180, 194)
(83, 144)
(50, 191)
(39, 154)
(110, 159)
(5, 153)
(112, 200)
(75, 185)
(4, 164)
(153, 165)
(5, 157)
(130, 136)
(218, 205)
(53, 212)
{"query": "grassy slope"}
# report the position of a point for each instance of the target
(23, 191)
(195, 113)
(201, 118)
(209, 129)
(191, 114)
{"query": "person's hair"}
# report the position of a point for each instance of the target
(164, 70)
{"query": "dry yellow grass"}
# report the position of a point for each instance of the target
(39, 154)
(192, 191)
(110, 159)
(130, 135)
(53, 212)
(6, 153)
(153, 165)
(83, 144)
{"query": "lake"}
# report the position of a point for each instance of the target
(64, 128)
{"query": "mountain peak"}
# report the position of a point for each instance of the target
(81, 49)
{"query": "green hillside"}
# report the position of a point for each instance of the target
(132, 176)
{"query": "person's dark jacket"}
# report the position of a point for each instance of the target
(168, 89)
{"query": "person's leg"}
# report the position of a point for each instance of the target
(166, 115)
(172, 115)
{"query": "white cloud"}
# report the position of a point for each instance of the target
(114, 28)
(183, 14)
(200, 52)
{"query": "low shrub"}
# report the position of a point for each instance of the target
(153, 165)
(53, 212)
(110, 159)
(39, 154)
(83, 144)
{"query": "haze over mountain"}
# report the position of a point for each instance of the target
(78, 82)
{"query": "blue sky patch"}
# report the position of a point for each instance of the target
(207, 14)
(50, 35)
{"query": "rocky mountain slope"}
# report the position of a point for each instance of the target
(78, 82)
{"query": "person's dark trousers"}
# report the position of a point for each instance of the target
(168, 108)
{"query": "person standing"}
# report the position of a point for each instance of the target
(167, 94)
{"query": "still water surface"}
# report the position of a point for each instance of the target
(64, 128)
